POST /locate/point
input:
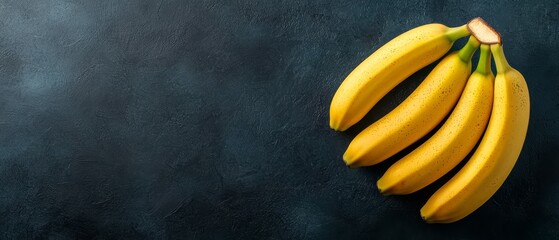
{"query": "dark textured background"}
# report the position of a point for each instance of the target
(207, 120)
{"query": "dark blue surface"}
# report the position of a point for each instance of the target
(208, 120)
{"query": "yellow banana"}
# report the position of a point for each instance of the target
(496, 155)
(387, 67)
(452, 142)
(433, 99)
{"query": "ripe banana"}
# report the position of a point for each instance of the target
(452, 142)
(433, 99)
(386, 68)
(496, 155)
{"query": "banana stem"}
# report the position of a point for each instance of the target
(500, 60)
(484, 64)
(456, 33)
(469, 49)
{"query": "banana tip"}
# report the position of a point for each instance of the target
(348, 162)
(429, 218)
(387, 192)
(379, 186)
(424, 216)
(333, 127)
(383, 190)
(337, 128)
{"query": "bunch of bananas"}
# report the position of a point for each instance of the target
(481, 107)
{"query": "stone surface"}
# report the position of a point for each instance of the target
(175, 119)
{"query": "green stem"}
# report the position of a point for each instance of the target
(484, 64)
(456, 33)
(469, 49)
(500, 60)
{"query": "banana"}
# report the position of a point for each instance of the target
(387, 67)
(433, 99)
(496, 155)
(452, 142)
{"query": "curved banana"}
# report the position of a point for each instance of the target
(452, 142)
(496, 155)
(433, 99)
(386, 68)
